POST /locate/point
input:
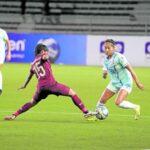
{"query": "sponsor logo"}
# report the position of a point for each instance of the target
(119, 47)
(53, 46)
(18, 45)
(17, 48)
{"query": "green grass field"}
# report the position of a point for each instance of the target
(56, 124)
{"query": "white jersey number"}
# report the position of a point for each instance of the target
(39, 70)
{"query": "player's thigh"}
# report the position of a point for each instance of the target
(39, 95)
(106, 95)
(114, 87)
(122, 94)
(127, 87)
(60, 89)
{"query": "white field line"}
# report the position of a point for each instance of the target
(69, 113)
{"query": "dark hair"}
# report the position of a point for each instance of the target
(39, 48)
(111, 41)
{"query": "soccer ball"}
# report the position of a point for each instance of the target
(102, 112)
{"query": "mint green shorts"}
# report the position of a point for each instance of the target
(117, 87)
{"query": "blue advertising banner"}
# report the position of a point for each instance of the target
(63, 48)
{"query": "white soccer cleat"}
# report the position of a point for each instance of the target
(137, 112)
(90, 116)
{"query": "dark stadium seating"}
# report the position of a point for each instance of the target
(129, 17)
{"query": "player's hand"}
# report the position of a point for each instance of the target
(140, 86)
(104, 74)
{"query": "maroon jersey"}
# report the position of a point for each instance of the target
(42, 69)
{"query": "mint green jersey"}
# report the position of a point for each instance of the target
(3, 39)
(120, 76)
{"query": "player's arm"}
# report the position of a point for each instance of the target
(8, 57)
(105, 74)
(104, 69)
(130, 69)
(27, 81)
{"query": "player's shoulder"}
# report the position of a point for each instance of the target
(36, 59)
(119, 55)
(2, 31)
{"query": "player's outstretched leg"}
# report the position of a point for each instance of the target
(23, 109)
(90, 116)
(11, 117)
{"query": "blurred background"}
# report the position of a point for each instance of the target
(75, 30)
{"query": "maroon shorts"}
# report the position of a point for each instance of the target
(57, 89)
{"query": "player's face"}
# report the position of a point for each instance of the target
(109, 49)
(44, 52)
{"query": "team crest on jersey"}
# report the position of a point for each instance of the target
(53, 47)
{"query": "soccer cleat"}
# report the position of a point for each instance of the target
(90, 116)
(137, 112)
(9, 118)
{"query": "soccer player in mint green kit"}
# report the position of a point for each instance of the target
(121, 74)
(4, 41)
(47, 85)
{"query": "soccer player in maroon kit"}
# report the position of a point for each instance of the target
(47, 85)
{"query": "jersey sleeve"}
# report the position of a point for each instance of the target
(123, 61)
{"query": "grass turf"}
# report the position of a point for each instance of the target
(55, 123)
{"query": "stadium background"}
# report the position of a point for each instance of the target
(74, 28)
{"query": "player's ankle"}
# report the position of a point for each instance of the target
(17, 113)
(84, 110)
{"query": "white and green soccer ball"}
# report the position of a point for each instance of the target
(102, 112)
